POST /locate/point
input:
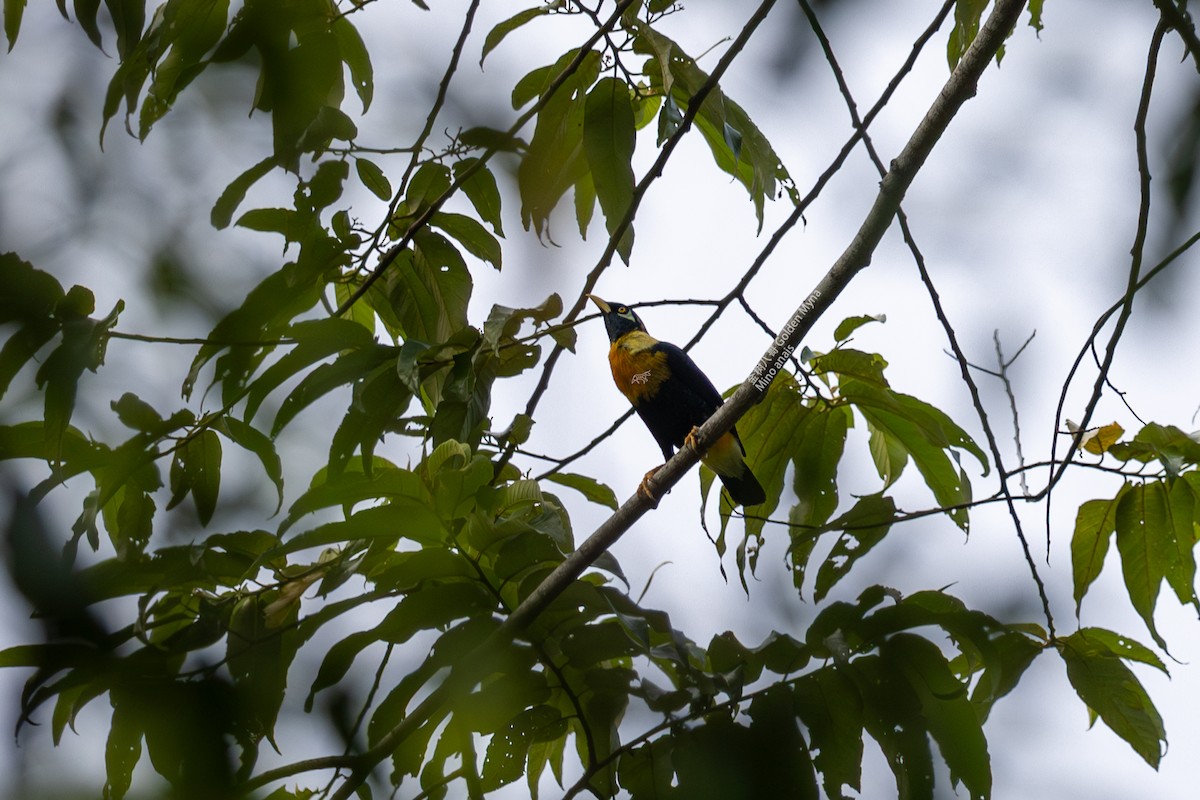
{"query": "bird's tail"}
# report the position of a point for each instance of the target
(744, 489)
(727, 458)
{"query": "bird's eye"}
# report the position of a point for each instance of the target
(622, 310)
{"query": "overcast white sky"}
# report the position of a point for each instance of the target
(1025, 214)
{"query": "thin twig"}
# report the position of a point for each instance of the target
(1002, 374)
(1133, 283)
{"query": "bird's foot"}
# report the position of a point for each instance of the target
(691, 441)
(648, 487)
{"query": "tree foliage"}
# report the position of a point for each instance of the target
(512, 675)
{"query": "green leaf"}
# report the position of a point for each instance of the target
(481, 189)
(83, 345)
(1182, 512)
(344, 370)
(471, 235)
(585, 203)
(830, 707)
(257, 442)
(353, 52)
(373, 178)
(926, 435)
(497, 34)
(967, 15)
(200, 457)
(816, 452)
(509, 748)
(850, 324)
(352, 487)
(1173, 448)
(123, 749)
(1094, 526)
(315, 341)
(432, 607)
(1012, 653)
(128, 17)
(863, 527)
(259, 651)
(737, 145)
(13, 9)
(1144, 542)
(952, 721)
(892, 715)
(430, 289)
(273, 220)
(137, 414)
(1123, 647)
(325, 186)
(504, 323)
(85, 15)
(609, 138)
(1113, 692)
(235, 192)
(592, 489)
(555, 159)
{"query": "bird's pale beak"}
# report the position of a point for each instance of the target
(600, 304)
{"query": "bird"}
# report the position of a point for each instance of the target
(673, 397)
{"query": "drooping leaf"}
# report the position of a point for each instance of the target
(589, 487)
(481, 189)
(1144, 542)
(354, 54)
(951, 718)
(13, 10)
(503, 29)
(830, 707)
(373, 178)
(84, 341)
(863, 527)
(608, 142)
(555, 159)
(314, 340)
(1113, 692)
(738, 146)
(343, 371)
(235, 192)
(892, 715)
(123, 749)
(257, 442)
(201, 461)
(471, 235)
(1094, 527)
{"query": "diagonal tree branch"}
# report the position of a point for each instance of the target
(958, 89)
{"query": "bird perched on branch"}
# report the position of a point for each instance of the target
(673, 397)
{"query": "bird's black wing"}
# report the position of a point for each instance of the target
(684, 400)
